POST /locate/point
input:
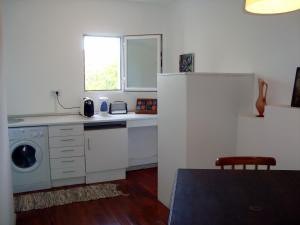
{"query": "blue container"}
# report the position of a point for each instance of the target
(103, 103)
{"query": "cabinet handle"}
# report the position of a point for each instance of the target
(68, 161)
(69, 171)
(68, 150)
(88, 144)
(67, 140)
(63, 129)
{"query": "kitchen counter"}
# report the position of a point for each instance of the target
(131, 118)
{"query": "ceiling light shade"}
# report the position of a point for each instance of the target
(271, 6)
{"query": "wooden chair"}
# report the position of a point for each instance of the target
(245, 160)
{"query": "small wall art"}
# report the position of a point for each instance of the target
(146, 106)
(186, 63)
(296, 91)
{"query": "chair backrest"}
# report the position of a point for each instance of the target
(245, 160)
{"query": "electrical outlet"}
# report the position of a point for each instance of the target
(53, 93)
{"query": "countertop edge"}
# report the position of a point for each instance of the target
(77, 119)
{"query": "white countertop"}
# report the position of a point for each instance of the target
(75, 119)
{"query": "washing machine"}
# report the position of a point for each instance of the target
(29, 158)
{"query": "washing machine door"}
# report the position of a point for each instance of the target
(26, 156)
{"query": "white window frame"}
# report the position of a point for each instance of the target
(123, 61)
(158, 37)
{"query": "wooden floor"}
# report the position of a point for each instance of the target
(140, 207)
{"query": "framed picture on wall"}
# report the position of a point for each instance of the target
(186, 63)
(296, 91)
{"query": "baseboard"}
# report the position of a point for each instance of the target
(140, 167)
(66, 182)
(104, 176)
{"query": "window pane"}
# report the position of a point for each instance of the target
(102, 63)
(142, 63)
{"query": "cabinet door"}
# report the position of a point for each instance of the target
(106, 149)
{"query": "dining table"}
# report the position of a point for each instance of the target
(235, 197)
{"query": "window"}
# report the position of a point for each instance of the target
(102, 63)
(140, 56)
(142, 62)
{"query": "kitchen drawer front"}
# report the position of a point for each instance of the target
(67, 130)
(66, 152)
(72, 162)
(63, 173)
(69, 141)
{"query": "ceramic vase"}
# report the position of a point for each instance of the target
(261, 100)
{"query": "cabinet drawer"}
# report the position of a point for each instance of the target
(67, 130)
(66, 152)
(72, 162)
(68, 141)
(63, 173)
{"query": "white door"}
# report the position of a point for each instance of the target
(106, 149)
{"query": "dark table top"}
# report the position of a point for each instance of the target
(236, 197)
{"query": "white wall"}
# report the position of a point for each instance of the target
(43, 43)
(225, 38)
(276, 135)
(6, 203)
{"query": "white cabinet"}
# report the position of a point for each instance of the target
(106, 151)
(67, 162)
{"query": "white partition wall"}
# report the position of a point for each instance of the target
(7, 216)
(172, 132)
(198, 114)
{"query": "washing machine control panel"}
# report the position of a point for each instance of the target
(26, 133)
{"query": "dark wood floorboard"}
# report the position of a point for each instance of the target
(141, 207)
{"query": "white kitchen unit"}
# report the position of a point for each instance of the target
(106, 151)
(198, 114)
(276, 135)
(66, 143)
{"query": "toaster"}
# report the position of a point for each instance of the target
(118, 107)
(87, 107)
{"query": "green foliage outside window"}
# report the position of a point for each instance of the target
(102, 63)
(107, 79)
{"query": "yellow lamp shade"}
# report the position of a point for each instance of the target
(271, 6)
